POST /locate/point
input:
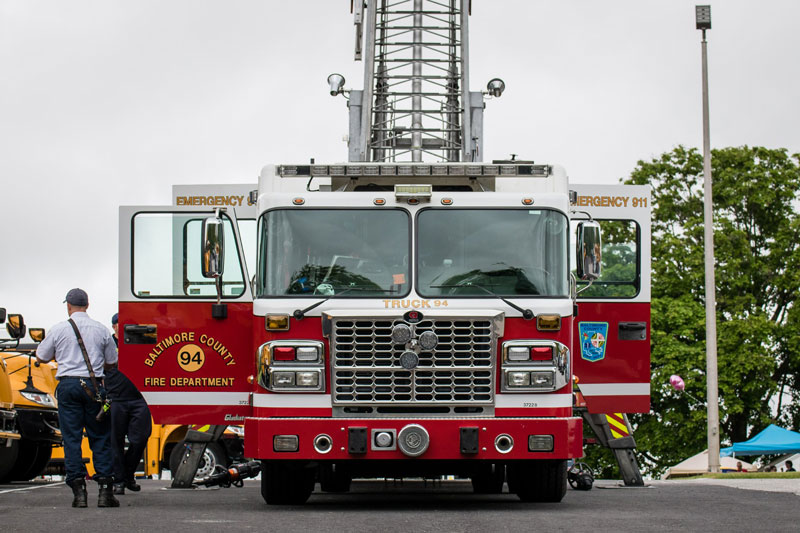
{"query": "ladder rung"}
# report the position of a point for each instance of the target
(397, 93)
(410, 111)
(415, 12)
(414, 60)
(411, 43)
(423, 28)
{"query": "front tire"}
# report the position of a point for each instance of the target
(8, 458)
(31, 460)
(286, 482)
(539, 481)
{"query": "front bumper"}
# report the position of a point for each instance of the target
(447, 438)
(38, 424)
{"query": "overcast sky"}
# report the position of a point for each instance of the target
(106, 103)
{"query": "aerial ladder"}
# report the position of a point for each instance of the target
(416, 104)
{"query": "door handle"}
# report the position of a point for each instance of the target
(632, 331)
(140, 333)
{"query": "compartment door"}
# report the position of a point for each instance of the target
(612, 329)
(191, 363)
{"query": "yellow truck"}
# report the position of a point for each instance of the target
(33, 395)
(9, 435)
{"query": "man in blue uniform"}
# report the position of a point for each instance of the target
(129, 416)
(77, 404)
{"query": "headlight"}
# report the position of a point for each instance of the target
(307, 379)
(519, 379)
(283, 380)
(296, 380)
(41, 398)
(543, 380)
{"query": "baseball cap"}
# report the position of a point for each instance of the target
(115, 319)
(77, 297)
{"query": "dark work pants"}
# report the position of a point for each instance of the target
(131, 418)
(76, 412)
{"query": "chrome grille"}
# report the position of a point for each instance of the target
(367, 370)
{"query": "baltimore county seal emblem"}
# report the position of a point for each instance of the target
(593, 337)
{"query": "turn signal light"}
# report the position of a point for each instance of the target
(276, 322)
(548, 323)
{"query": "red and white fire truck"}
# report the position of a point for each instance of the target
(400, 318)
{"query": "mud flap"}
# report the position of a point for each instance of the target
(196, 442)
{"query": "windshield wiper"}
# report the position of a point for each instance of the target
(527, 314)
(299, 314)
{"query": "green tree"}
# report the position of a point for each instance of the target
(757, 252)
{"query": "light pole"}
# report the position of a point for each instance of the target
(703, 20)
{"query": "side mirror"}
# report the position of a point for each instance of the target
(37, 334)
(2, 314)
(213, 247)
(589, 242)
(16, 326)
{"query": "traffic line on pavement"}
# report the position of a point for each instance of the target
(32, 488)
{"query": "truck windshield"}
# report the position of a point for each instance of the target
(323, 252)
(511, 252)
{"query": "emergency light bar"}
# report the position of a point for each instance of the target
(441, 169)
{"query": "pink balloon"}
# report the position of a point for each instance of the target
(676, 381)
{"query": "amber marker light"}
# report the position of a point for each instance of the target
(298, 201)
(276, 322)
(379, 201)
(447, 201)
(548, 322)
(527, 201)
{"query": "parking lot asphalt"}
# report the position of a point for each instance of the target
(413, 505)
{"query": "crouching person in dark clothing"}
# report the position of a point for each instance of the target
(130, 417)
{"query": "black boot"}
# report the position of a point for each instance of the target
(106, 498)
(78, 492)
(132, 485)
(119, 488)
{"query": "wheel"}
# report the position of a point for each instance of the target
(31, 460)
(8, 457)
(331, 480)
(489, 479)
(539, 481)
(213, 455)
(286, 483)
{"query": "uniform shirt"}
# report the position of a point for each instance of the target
(119, 387)
(62, 344)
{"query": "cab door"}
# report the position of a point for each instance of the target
(188, 351)
(612, 328)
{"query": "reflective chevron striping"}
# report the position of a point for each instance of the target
(617, 425)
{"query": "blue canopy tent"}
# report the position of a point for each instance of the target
(773, 440)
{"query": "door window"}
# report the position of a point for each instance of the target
(620, 256)
(166, 257)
